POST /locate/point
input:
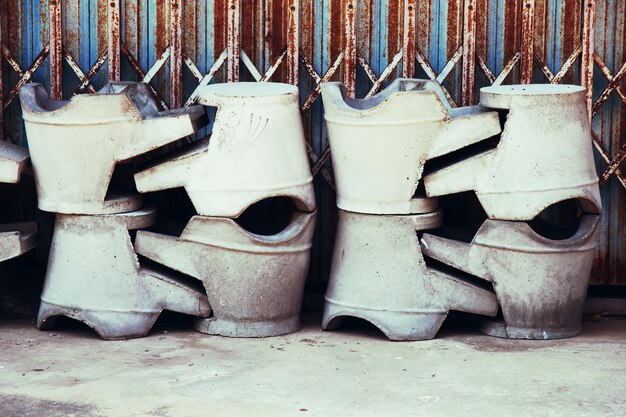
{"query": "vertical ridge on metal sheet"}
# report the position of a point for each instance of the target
(293, 42)
(176, 54)
(408, 39)
(469, 52)
(589, 22)
(527, 47)
(114, 51)
(349, 57)
(56, 49)
(232, 41)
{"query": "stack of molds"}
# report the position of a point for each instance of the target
(379, 146)
(15, 238)
(544, 158)
(256, 153)
(93, 272)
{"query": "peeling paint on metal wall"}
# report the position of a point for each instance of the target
(464, 44)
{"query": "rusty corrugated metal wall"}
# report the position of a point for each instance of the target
(74, 46)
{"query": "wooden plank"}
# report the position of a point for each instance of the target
(176, 54)
(469, 53)
(114, 52)
(589, 22)
(526, 50)
(56, 49)
(408, 39)
(349, 56)
(293, 42)
(233, 43)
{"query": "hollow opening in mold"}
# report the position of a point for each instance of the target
(121, 183)
(560, 220)
(269, 216)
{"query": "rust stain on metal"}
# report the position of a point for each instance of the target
(27, 75)
(349, 56)
(507, 69)
(56, 49)
(607, 74)
(233, 41)
(71, 62)
(316, 91)
(512, 30)
(142, 75)
(367, 69)
(613, 165)
(12, 61)
(430, 72)
(570, 32)
(605, 156)
(293, 42)
(252, 28)
(543, 66)
(176, 54)
(469, 52)
(389, 69)
(528, 30)
(394, 33)
(217, 65)
(408, 40)
(613, 84)
(558, 77)
(483, 66)
(195, 71)
(85, 82)
(220, 27)
(113, 46)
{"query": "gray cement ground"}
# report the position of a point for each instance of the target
(351, 372)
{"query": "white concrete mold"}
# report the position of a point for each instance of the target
(544, 156)
(380, 144)
(254, 283)
(94, 276)
(378, 274)
(74, 145)
(541, 284)
(257, 150)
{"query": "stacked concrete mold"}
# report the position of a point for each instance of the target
(380, 146)
(254, 282)
(544, 157)
(93, 273)
(15, 238)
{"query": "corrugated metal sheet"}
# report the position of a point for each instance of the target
(77, 45)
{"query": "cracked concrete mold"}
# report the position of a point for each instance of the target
(254, 283)
(515, 181)
(378, 274)
(94, 276)
(541, 284)
(74, 145)
(257, 150)
(409, 122)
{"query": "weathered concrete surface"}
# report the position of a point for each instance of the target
(356, 372)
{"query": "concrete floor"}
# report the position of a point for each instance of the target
(352, 372)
